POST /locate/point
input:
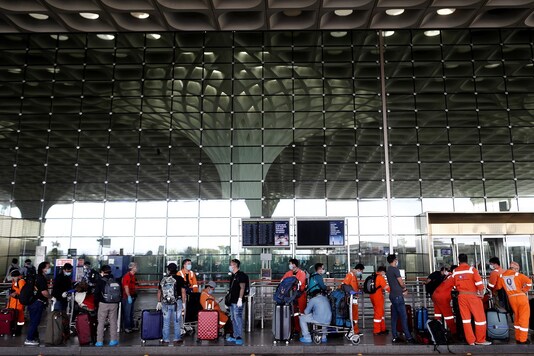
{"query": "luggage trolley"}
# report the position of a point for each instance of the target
(320, 330)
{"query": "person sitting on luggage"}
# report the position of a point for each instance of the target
(318, 311)
(62, 286)
(316, 282)
(171, 299)
(517, 286)
(351, 281)
(208, 302)
(442, 302)
(16, 285)
(107, 298)
(434, 280)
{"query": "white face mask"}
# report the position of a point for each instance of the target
(291, 266)
(188, 267)
(322, 271)
(492, 267)
(231, 269)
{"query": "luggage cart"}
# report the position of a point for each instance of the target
(320, 330)
(71, 311)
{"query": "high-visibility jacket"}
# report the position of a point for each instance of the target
(467, 279)
(352, 280)
(494, 277)
(189, 276)
(301, 276)
(14, 303)
(208, 302)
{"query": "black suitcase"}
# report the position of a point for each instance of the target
(193, 307)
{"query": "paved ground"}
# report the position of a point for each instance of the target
(259, 342)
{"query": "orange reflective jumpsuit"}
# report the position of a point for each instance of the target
(14, 302)
(469, 284)
(516, 286)
(494, 277)
(377, 299)
(208, 302)
(352, 280)
(442, 303)
(191, 278)
(301, 301)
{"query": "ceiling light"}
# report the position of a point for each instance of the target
(105, 36)
(140, 15)
(14, 70)
(89, 15)
(343, 12)
(387, 33)
(208, 53)
(60, 37)
(39, 16)
(394, 12)
(52, 70)
(492, 65)
(338, 34)
(445, 12)
(431, 33)
(153, 36)
(292, 12)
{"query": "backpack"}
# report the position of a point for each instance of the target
(287, 291)
(313, 285)
(434, 283)
(168, 290)
(438, 334)
(112, 291)
(340, 308)
(369, 285)
(28, 293)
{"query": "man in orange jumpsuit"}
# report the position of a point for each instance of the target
(517, 286)
(208, 302)
(189, 276)
(469, 284)
(442, 302)
(16, 285)
(300, 302)
(351, 279)
(377, 299)
(496, 271)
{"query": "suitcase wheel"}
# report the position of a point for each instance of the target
(317, 339)
(355, 339)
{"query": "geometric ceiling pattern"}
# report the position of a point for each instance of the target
(242, 15)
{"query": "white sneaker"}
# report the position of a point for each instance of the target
(31, 343)
(485, 343)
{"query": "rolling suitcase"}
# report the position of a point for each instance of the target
(57, 328)
(151, 325)
(421, 317)
(282, 318)
(497, 325)
(193, 307)
(86, 329)
(208, 325)
(409, 316)
(8, 321)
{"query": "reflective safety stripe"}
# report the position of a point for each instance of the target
(491, 285)
(20, 323)
(466, 321)
(437, 315)
(518, 295)
(478, 283)
(523, 329)
(222, 322)
(195, 285)
(463, 272)
(480, 323)
(529, 284)
(449, 317)
(377, 320)
(517, 327)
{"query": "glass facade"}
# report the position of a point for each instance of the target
(162, 143)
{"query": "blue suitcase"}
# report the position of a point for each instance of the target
(497, 325)
(421, 317)
(151, 325)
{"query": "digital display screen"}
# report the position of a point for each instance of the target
(321, 233)
(265, 233)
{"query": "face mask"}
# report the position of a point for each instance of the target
(188, 267)
(359, 274)
(291, 266)
(210, 291)
(446, 273)
(231, 269)
(46, 271)
(322, 271)
(492, 267)
(68, 273)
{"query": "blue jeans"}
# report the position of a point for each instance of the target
(172, 313)
(35, 311)
(238, 319)
(399, 310)
(127, 313)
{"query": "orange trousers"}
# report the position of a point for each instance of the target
(300, 304)
(521, 310)
(443, 311)
(379, 323)
(355, 313)
(472, 305)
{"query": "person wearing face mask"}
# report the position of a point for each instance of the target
(351, 283)
(190, 278)
(89, 275)
(377, 299)
(496, 271)
(35, 310)
(434, 280)
(129, 295)
(239, 287)
(62, 286)
(442, 302)
(316, 283)
(208, 302)
(396, 295)
(300, 302)
(28, 269)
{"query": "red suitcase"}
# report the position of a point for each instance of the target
(8, 321)
(410, 319)
(208, 325)
(86, 329)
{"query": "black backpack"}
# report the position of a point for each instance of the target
(112, 291)
(438, 334)
(369, 285)
(28, 293)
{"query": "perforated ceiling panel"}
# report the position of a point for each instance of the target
(239, 15)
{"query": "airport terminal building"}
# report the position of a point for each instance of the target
(154, 128)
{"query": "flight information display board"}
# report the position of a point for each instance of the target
(321, 233)
(265, 233)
